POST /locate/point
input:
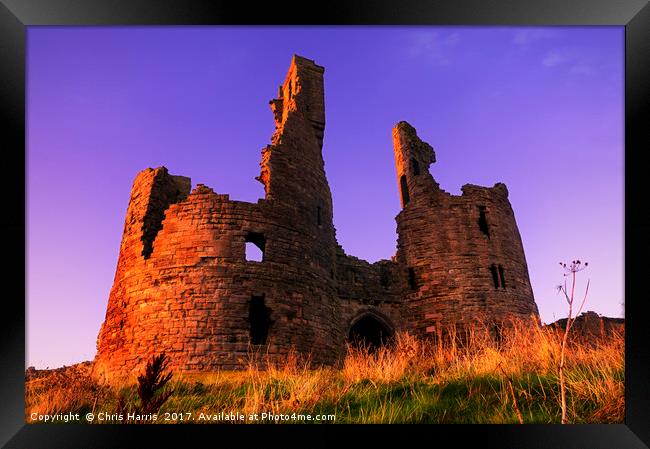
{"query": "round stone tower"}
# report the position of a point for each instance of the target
(461, 256)
(184, 284)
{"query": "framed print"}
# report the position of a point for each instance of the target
(274, 216)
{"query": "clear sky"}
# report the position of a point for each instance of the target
(540, 109)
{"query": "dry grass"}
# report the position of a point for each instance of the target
(64, 390)
(408, 381)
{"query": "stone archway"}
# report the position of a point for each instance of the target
(371, 331)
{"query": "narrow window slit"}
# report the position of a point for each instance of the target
(412, 281)
(495, 275)
(482, 221)
(405, 190)
(502, 277)
(259, 317)
(415, 166)
(384, 280)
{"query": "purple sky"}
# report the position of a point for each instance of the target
(540, 109)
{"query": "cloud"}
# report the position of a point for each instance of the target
(452, 39)
(553, 58)
(583, 69)
(576, 61)
(434, 46)
(529, 35)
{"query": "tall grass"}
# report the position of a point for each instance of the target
(450, 379)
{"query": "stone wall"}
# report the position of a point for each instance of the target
(365, 288)
(590, 328)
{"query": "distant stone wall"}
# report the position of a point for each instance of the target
(591, 327)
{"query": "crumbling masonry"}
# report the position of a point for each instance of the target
(183, 284)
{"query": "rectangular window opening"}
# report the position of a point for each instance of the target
(255, 246)
(502, 277)
(405, 190)
(482, 222)
(259, 317)
(384, 280)
(412, 281)
(495, 275)
(415, 165)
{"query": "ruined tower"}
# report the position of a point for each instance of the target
(185, 285)
(462, 255)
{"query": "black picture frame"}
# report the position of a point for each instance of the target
(16, 15)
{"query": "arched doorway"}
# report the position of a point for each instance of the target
(370, 331)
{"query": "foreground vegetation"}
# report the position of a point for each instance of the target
(512, 381)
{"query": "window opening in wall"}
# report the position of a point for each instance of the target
(415, 166)
(502, 277)
(259, 317)
(482, 221)
(405, 190)
(255, 245)
(383, 278)
(412, 282)
(318, 216)
(495, 275)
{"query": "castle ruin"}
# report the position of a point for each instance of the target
(183, 284)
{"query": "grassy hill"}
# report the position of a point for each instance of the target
(410, 381)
